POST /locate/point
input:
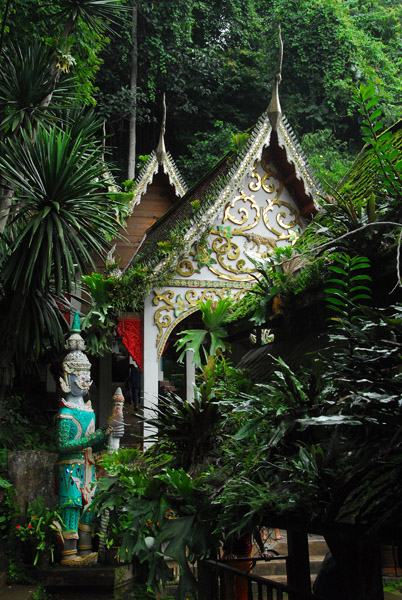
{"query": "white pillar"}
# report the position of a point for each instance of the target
(151, 367)
(190, 375)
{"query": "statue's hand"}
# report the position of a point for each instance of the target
(117, 426)
(108, 428)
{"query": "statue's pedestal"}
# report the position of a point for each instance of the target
(102, 578)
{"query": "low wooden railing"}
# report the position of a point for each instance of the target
(217, 582)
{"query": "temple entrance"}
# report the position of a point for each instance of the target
(179, 377)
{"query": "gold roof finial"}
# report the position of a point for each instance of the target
(274, 110)
(161, 148)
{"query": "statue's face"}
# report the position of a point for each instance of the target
(80, 383)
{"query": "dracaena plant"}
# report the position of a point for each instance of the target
(60, 218)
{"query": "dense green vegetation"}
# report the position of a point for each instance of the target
(217, 63)
(57, 207)
(326, 435)
(321, 441)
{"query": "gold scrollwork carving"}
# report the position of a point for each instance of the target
(226, 248)
(255, 186)
(185, 268)
(194, 299)
(270, 187)
(191, 297)
(163, 320)
(282, 215)
(291, 216)
(243, 211)
(243, 215)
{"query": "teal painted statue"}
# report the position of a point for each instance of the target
(77, 437)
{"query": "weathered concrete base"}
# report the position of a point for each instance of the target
(105, 578)
(32, 474)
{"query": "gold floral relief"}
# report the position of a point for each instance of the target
(226, 249)
(194, 297)
(271, 182)
(252, 223)
(285, 219)
(255, 185)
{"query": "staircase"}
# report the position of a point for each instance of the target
(276, 569)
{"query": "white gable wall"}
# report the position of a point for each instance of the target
(257, 216)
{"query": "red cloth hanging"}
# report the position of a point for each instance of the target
(131, 333)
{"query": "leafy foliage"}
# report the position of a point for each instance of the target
(98, 321)
(348, 285)
(329, 157)
(205, 150)
(386, 156)
(159, 512)
(213, 316)
(39, 529)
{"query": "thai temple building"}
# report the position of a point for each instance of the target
(257, 197)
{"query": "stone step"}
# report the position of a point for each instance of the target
(316, 544)
(278, 567)
(3, 577)
(17, 592)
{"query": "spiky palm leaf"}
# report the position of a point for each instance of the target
(95, 13)
(25, 81)
(62, 210)
(43, 325)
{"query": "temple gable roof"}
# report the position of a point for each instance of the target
(152, 167)
(212, 193)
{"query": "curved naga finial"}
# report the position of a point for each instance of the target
(161, 149)
(274, 110)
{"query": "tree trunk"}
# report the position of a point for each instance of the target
(133, 89)
(55, 72)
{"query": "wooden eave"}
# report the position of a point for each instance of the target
(293, 183)
(151, 168)
(181, 210)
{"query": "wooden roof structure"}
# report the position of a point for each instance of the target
(225, 180)
(157, 189)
